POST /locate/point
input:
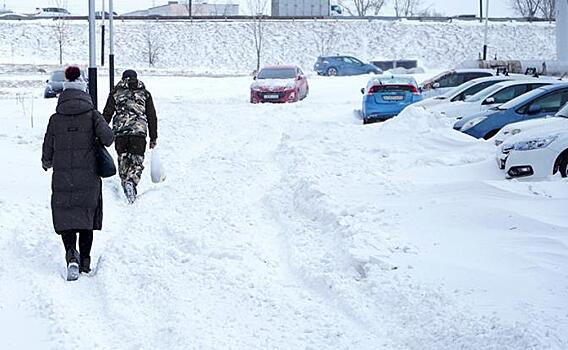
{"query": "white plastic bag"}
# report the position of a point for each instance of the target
(157, 168)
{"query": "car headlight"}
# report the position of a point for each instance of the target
(515, 131)
(470, 124)
(541, 142)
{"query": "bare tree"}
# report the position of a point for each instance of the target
(152, 46)
(429, 12)
(324, 38)
(60, 29)
(526, 8)
(257, 8)
(362, 7)
(406, 8)
(548, 9)
(188, 6)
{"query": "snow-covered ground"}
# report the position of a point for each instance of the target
(228, 48)
(286, 227)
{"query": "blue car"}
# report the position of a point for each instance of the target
(537, 103)
(343, 65)
(385, 97)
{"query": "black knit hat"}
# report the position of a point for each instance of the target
(129, 73)
(72, 73)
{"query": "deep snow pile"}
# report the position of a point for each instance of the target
(289, 227)
(228, 48)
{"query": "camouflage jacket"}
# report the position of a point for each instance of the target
(131, 109)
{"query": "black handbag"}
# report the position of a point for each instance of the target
(105, 163)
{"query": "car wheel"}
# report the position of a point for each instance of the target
(332, 71)
(491, 134)
(561, 164)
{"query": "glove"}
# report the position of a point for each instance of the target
(152, 143)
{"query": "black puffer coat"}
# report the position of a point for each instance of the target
(69, 147)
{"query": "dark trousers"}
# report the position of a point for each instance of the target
(69, 238)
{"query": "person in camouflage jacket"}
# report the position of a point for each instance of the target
(131, 109)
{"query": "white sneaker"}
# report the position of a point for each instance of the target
(129, 192)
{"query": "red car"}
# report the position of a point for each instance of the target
(279, 84)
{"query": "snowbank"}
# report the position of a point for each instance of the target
(227, 47)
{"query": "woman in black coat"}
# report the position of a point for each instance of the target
(69, 148)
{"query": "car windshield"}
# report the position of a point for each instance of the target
(436, 78)
(563, 112)
(455, 91)
(481, 95)
(280, 73)
(521, 99)
(57, 76)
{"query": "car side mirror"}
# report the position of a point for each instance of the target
(299, 77)
(489, 101)
(436, 85)
(363, 91)
(254, 77)
(47, 81)
(534, 109)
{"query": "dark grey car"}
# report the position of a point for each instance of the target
(54, 85)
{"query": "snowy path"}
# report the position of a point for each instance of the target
(284, 227)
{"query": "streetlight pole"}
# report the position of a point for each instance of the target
(480, 11)
(486, 29)
(92, 54)
(111, 44)
(103, 36)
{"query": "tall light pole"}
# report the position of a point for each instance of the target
(111, 44)
(486, 29)
(92, 54)
(103, 36)
(562, 30)
(480, 11)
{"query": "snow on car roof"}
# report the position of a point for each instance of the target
(281, 66)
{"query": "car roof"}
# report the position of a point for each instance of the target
(524, 81)
(280, 66)
(489, 78)
(472, 70)
(394, 79)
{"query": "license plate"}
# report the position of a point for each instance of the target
(393, 98)
(270, 96)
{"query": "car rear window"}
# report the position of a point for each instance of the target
(387, 88)
(280, 73)
(57, 76)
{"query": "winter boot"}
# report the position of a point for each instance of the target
(72, 257)
(85, 266)
(129, 191)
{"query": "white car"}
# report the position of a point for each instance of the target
(536, 154)
(490, 97)
(519, 127)
(463, 91)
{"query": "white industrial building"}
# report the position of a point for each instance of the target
(175, 8)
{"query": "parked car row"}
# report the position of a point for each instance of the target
(525, 117)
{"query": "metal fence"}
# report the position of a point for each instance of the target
(287, 18)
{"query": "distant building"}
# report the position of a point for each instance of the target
(174, 8)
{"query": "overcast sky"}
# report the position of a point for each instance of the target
(497, 8)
